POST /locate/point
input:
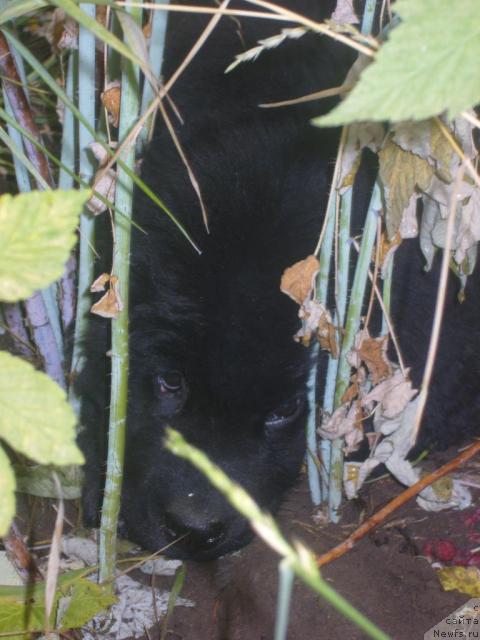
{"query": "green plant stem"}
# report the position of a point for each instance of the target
(88, 125)
(129, 109)
(341, 279)
(352, 325)
(285, 585)
(86, 105)
(155, 57)
(316, 469)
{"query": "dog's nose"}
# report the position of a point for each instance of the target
(194, 534)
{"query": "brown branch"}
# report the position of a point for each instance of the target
(20, 556)
(22, 112)
(394, 504)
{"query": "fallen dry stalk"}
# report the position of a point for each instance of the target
(13, 86)
(394, 504)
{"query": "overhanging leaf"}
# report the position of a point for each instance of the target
(428, 65)
(35, 417)
(7, 495)
(37, 232)
(38, 481)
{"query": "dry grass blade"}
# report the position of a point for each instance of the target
(440, 302)
(162, 93)
(190, 8)
(318, 27)
(185, 161)
(54, 556)
(317, 95)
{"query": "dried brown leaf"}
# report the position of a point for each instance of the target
(298, 280)
(109, 305)
(111, 101)
(100, 283)
(401, 173)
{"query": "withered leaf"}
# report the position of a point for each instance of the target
(393, 394)
(372, 352)
(104, 184)
(298, 280)
(109, 305)
(111, 101)
(100, 283)
(327, 336)
(401, 173)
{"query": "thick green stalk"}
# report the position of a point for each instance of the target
(339, 320)
(338, 373)
(352, 325)
(318, 492)
(129, 108)
(86, 105)
(155, 59)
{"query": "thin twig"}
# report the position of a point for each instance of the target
(333, 187)
(132, 136)
(310, 97)
(181, 8)
(395, 504)
(440, 303)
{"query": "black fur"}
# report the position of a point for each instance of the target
(211, 335)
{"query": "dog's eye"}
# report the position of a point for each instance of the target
(285, 413)
(170, 382)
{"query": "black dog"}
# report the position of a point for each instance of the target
(211, 343)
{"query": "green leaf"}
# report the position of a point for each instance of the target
(37, 232)
(23, 608)
(87, 599)
(38, 481)
(7, 493)
(428, 65)
(35, 417)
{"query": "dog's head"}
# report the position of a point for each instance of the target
(215, 359)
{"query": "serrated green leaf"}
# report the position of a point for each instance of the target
(35, 417)
(87, 599)
(7, 493)
(428, 65)
(37, 232)
(23, 608)
(400, 172)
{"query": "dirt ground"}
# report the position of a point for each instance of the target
(385, 576)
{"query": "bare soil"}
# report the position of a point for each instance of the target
(385, 576)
